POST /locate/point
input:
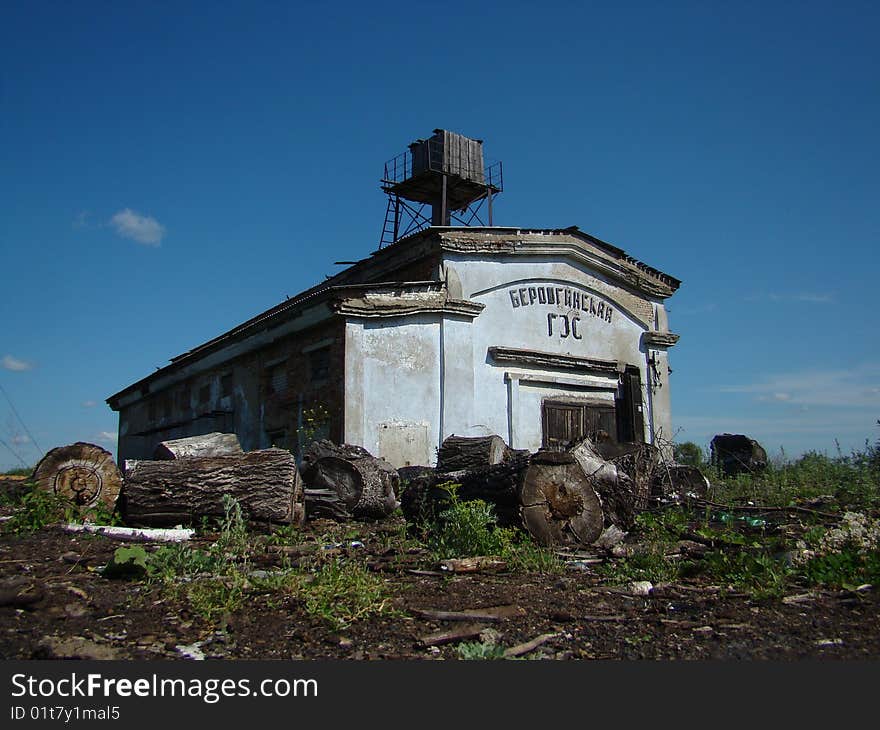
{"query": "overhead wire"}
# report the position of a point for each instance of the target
(23, 425)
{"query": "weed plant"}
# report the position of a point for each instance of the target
(470, 528)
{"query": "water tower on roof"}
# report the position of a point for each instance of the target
(447, 173)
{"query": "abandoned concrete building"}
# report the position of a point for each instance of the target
(537, 335)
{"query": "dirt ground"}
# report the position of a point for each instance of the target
(577, 616)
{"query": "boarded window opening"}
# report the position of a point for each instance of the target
(564, 422)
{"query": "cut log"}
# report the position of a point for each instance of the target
(558, 504)
(163, 493)
(547, 494)
(458, 453)
(209, 444)
(364, 485)
(83, 473)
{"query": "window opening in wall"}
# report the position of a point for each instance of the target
(227, 383)
(319, 363)
(277, 381)
(204, 394)
(185, 395)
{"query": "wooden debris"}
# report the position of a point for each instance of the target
(449, 636)
(265, 483)
(479, 564)
(528, 646)
(209, 444)
(83, 473)
(799, 598)
(495, 613)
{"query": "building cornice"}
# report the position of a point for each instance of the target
(660, 339)
(552, 361)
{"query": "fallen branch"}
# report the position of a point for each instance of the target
(496, 613)
(136, 534)
(470, 631)
(479, 564)
(520, 649)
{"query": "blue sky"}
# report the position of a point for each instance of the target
(168, 170)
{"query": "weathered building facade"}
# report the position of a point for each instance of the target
(539, 336)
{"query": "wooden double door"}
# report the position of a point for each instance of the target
(564, 421)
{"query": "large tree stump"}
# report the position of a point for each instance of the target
(546, 494)
(83, 473)
(265, 483)
(209, 444)
(365, 486)
(463, 452)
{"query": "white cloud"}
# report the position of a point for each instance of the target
(19, 440)
(137, 227)
(856, 387)
(107, 437)
(88, 404)
(13, 363)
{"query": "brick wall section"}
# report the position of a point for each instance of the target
(239, 396)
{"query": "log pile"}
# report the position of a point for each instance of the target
(546, 494)
(560, 498)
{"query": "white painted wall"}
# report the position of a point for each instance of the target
(412, 381)
(504, 401)
(392, 387)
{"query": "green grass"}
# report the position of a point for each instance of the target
(19, 472)
(37, 508)
(470, 528)
(851, 480)
(342, 592)
(834, 541)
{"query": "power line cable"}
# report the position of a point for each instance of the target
(26, 430)
(14, 453)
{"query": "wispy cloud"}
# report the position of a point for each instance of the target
(141, 228)
(88, 404)
(15, 365)
(696, 309)
(804, 297)
(20, 440)
(82, 219)
(107, 437)
(857, 387)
